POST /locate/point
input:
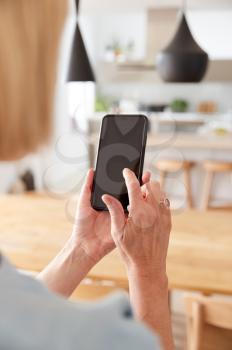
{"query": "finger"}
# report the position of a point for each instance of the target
(146, 177)
(116, 214)
(144, 190)
(157, 191)
(157, 195)
(85, 194)
(133, 187)
(144, 193)
(165, 205)
(153, 192)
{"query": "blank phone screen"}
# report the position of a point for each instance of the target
(122, 145)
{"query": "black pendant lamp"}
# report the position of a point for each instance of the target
(79, 67)
(183, 60)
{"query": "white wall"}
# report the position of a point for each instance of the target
(100, 29)
(213, 31)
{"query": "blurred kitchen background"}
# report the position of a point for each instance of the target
(123, 66)
(134, 64)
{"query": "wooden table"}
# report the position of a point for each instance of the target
(34, 227)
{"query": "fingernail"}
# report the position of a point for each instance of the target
(125, 170)
(106, 199)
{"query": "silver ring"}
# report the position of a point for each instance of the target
(165, 202)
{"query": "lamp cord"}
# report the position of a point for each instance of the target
(77, 6)
(184, 5)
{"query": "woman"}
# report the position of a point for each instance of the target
(32, 316)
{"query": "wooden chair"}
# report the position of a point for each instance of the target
(167, 166)
(209, 323)
(212, 168)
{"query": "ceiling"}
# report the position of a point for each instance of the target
(136, 5)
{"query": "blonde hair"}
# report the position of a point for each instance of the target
(29, 41)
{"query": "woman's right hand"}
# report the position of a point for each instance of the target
(142, 238)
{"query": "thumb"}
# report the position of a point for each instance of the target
(85, 194)
(84, 209)
(116, 214)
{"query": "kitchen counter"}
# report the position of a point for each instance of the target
(190, 141)
(183, 141)
(185, 146)
(180, 130)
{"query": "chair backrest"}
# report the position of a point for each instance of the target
(209, 321)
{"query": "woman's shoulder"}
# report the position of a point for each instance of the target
(35, 316)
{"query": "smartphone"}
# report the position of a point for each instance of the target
(122, 145)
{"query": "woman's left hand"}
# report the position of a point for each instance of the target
(92, 228)
(90, 241)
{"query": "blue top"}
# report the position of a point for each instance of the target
(32, 318)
